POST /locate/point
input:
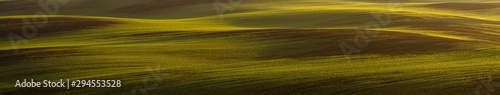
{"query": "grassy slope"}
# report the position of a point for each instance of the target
(262, 50)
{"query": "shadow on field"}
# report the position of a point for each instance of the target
(30, 54)
(317, 43)
(54, 25)
(308, 43)
(160, 4)
(9, 5)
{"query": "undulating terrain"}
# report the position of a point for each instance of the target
(259, 47)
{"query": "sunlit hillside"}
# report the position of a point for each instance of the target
(256, 47)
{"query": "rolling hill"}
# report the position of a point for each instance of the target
(183, 47)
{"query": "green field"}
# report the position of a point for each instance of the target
(262, 47)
